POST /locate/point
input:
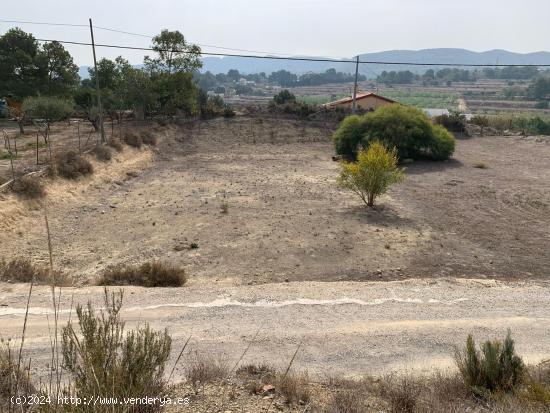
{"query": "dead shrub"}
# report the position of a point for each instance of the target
(23, 270)
(148, 138)
(347, 401)
(204, 369)
(71, 165)
(29, 187)
(294, 388)
(106, 361)
(402, 393)
(102, 153)
(133, 139)
(149, 274)
(115, 144)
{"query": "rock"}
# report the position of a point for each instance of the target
(268, 389)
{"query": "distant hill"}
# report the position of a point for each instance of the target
(447, 56)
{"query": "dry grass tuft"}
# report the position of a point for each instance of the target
(102, 153)
(71, 165)
(115, 144)
(294, 388)
(148, 138)
(133, 139)
(402, 393)
(204, 369)
(29, 187)
(149, 274)
(23, 270)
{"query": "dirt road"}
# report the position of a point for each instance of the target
(347, 328)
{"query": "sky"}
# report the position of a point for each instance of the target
(332, 28)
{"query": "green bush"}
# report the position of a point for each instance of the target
(104, 361)
(454, 122)
(373, 173)
(348, 136)
(443, 145)
(407, 129)
(284, 96)
(495, 368)
(51, 109)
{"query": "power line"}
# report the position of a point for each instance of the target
(44, 23)
(269, 55)
(134, 34)
(307, 59)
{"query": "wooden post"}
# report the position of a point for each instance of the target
(37, 147)
(353, 107)
(99, 108)
(79, 144)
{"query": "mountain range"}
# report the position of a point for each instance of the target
(442, 55)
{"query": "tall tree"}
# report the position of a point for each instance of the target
(19, 74)
(58, 70)
(174, 54)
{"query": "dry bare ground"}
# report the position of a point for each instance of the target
(455, 249)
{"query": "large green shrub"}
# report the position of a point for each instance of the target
(495, 368)
(443, 144)
(407, 129)
(349, 135)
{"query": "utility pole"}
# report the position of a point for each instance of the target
(353, 107)
(99, 107)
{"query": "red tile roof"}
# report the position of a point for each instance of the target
(359, 97)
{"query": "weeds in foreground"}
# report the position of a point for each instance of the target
(494, 368)
(203, 369)
(104, 361)
(149, 274)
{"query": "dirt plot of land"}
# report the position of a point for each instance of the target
(286, 218)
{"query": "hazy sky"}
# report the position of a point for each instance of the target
(337, 28)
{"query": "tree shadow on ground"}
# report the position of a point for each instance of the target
(423, 167)
(382, 214)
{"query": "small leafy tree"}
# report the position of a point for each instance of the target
(495, 368)
(50, 109)
(106, 362)
(174, 54)
(373, 173)
(284, 96)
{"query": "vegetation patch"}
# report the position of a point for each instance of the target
(148, 138)
(115, 144)
(71, 165)
(407, 129)
(23, 270)
(373, 173)
(133, 139)
(106, 361)
(29, 187)
(149, 274)
(102, 153)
